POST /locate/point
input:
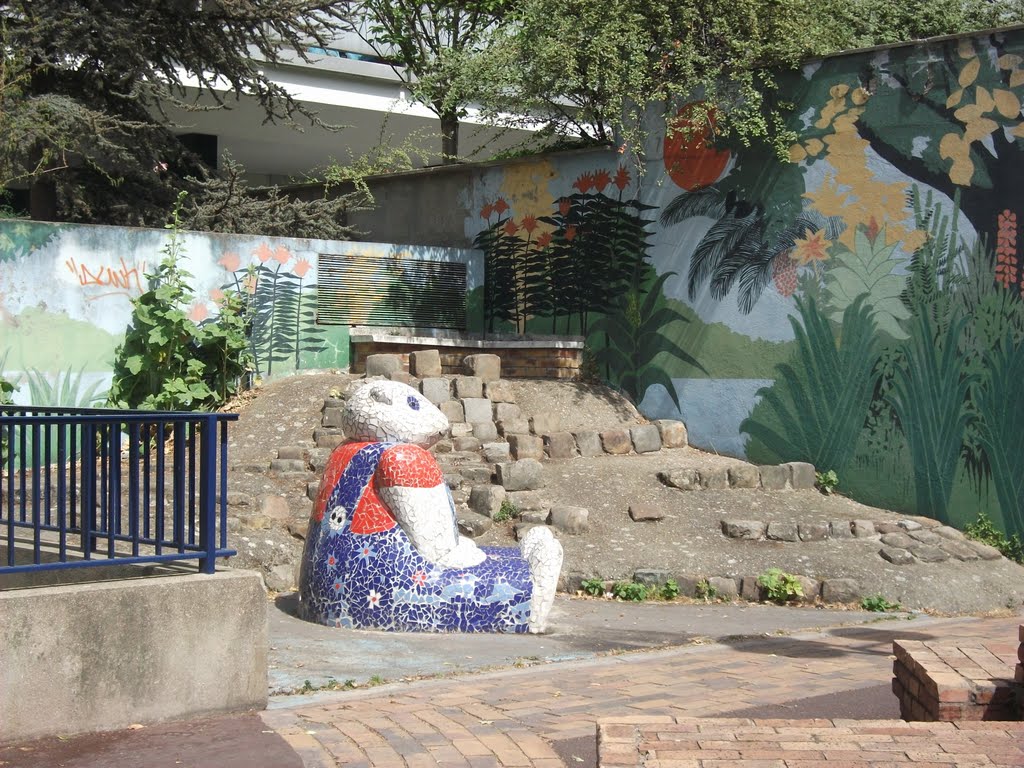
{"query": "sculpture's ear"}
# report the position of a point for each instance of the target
(380, 395)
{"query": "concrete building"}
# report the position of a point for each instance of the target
(346, 84)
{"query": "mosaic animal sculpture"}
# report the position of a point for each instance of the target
(383, 548)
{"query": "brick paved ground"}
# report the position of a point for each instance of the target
(513, 718)
(772, 743)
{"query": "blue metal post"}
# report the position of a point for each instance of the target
(208, 494)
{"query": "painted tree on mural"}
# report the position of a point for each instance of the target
(968, 94)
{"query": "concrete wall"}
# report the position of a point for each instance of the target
(66, 292)
(428, 206)
(104, 655)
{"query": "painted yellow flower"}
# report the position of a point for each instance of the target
(812, 248)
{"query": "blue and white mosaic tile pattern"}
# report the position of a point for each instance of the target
(383, 549)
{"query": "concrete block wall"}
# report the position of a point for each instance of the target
(104, 655)
(534, 362)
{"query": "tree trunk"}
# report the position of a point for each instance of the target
(42, 200)
(449, 136)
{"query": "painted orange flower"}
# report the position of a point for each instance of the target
(529, 224)
(230, 261)
(282, 255)
(564, 205)
(570, 233)
(500, 206)
(601, 180)
(198, 313)
(812, 248)
(872, 229)
(622, 178)
(486, 211)
(584, 182)
(263, 253)
(302, 266)
(543, 239)
(510, 227)
(216, 295)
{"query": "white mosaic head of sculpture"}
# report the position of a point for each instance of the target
(392, 412)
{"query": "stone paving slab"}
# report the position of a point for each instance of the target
(580, 629)
(686, 742)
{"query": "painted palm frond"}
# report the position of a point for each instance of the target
(816, 408)
(747, 251)
(703, 202)
(715, 249)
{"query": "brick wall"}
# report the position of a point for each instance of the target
(520, 362)
(948, 681)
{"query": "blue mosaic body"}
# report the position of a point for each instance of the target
(377, 580)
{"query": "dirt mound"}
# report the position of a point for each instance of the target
(688, 540)
(578, 406)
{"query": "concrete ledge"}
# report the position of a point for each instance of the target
(101, 656)
(531, 358)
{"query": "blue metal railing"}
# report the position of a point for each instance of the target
(86, 487)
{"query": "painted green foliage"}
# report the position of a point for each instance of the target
(585, 265)
(279, 308)
(634, 335)
(20, 238)
(816, 408)
(569, 265)
(909, 326)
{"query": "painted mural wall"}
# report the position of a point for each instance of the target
(66, 299)
(856, 305)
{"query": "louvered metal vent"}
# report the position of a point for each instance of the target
(366, 290)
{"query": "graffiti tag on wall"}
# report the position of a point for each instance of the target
(120, 280)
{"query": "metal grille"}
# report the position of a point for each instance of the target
(364, 290)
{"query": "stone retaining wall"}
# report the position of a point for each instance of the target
(520, 359)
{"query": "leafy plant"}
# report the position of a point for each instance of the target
(816, 408)
(779, 586)
(878, 603)
(669, 590)
(826, 481)
(506, 512)
(738, 250)
(65, 390)
(706, 591)
(6, 391)
(629, 590)
(593, 587)
(928, 396)
(984, 530)
(166, 361)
